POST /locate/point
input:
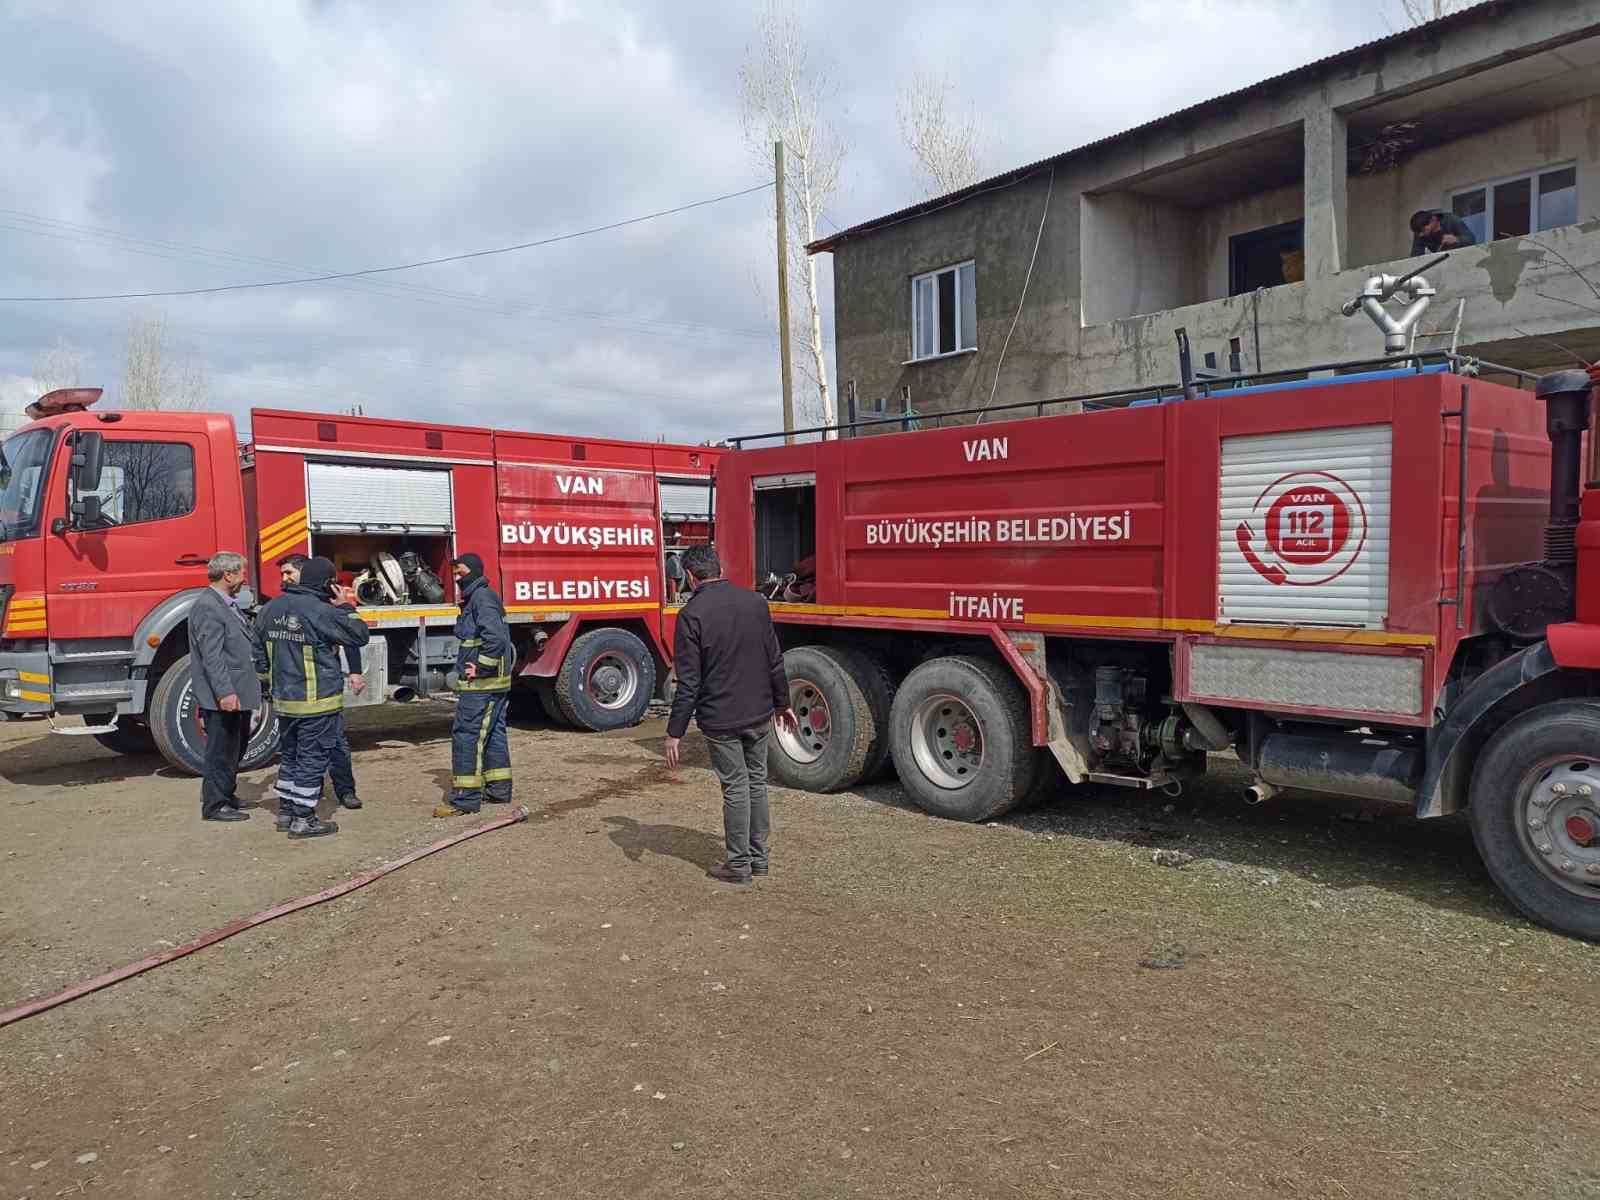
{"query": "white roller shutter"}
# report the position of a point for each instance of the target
(680, 498)
(347, 499)
(1304, 538)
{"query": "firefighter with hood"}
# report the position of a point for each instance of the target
(299, 639)
(480, 755)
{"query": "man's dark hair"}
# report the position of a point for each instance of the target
(297, 561)
(1421, 219)
(702, 562)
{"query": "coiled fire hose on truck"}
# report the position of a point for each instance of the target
(45, 1003)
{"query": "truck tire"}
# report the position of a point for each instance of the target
(1535, 815)
(961, 738)
(877, 684)
(606, 681)
(130, 737)
(838, 727)
(175, 724)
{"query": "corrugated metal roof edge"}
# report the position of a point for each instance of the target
(1017, 174)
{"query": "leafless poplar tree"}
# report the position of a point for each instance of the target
(783, 96)
(58, 366)
(944, 141)
(153, 378)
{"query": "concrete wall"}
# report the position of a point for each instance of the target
(1137, 256)
(1380, 205)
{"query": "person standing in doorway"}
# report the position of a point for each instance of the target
(298, 639)
(226, 689)
(480, 754)
(730, 675)
(341, 769)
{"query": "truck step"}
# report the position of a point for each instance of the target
(1141, 782)
(81, 730)
(92, 693)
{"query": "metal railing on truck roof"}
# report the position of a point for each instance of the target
(1459, 364)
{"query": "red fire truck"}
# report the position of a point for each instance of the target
(107, 520)
(1382, 583)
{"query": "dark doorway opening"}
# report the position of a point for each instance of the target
(1266, 257)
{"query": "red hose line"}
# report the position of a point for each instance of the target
(33, 1007)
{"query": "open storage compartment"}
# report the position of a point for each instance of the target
(359, 513)
(786, 536)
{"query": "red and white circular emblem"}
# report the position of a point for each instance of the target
(1307, 528)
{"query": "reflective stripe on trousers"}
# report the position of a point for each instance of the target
(480, 755)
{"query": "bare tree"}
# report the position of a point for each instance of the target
(782, 97)
(58, 366)
(152, 376)
(944, 141)
(1420, 12)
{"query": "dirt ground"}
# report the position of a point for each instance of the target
(1324, 1002)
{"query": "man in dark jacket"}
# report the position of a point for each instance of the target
(730, 675)
(298, 639)
(480, 755)
(340, 768)
(1433, 230)
(226, 690)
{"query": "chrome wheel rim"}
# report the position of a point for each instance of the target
(613, 680)
(814, 723)
(1558, 822)
(947, 741)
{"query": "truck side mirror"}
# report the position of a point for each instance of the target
(86, 512)
(88, 460)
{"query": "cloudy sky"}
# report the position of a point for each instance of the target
(161, 146)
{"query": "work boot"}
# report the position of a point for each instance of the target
(312, 826)
(496, 796)
(726, 874)
(285, 818)
(227, 813)
(450, 810)
(350, 801)
(758, 868)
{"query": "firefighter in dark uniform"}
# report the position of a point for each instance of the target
(299, 638)
(480, 756)
(340, 768)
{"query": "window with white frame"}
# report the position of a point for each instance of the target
(1520, 205)
(944, 312)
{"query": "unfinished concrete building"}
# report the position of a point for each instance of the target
(1255, 216)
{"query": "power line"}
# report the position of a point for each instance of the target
(389, 289)
(428, 262)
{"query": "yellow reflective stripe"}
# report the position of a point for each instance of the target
(494, 683)
(485, 661)
(472, 642)
(30, 677)
(308, 660)
(282, 523)
(36, 697)
(483, 736)
(497, 775)
(466, 781)
(309, 708)
(281, 543)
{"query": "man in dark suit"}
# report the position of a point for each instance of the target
(730, 675)
(226, 689)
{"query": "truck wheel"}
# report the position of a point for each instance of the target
(877, 684)
(837, 730)
(181, 738)
(1535, 814)
(130, 736)
(961, 739)
(606, 681)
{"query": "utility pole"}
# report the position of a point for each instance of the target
(783, 297)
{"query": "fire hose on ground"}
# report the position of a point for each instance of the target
(33, 1007)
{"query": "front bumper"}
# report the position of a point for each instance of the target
(25, 683)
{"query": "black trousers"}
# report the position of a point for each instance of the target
(227, 734)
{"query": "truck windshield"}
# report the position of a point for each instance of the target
(22, 483)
